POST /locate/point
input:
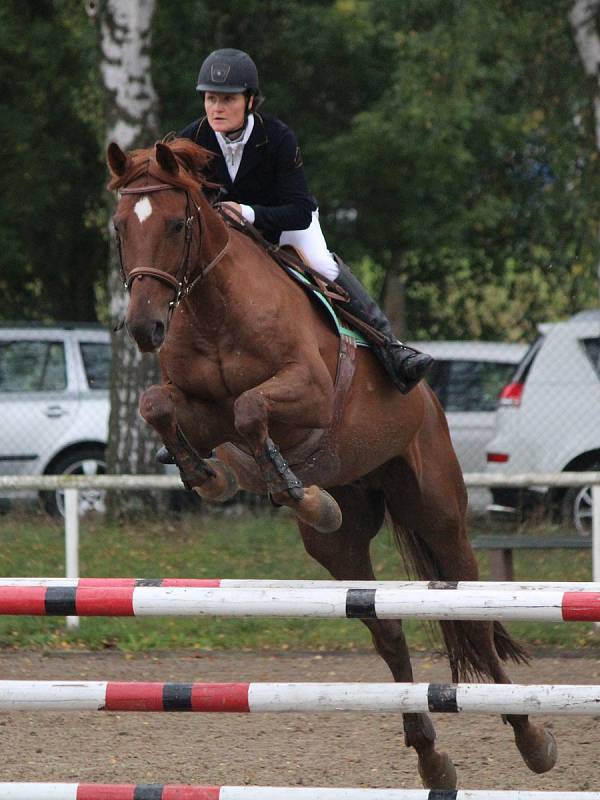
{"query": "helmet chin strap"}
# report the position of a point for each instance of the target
(235, 134)
(232, 136)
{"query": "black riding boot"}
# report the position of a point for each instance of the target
(403, 364)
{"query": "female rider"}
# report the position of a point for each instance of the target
(258, 164)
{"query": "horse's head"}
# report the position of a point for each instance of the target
(165, 242)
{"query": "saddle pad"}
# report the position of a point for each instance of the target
(341, 329)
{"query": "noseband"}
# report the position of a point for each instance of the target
(180, 282)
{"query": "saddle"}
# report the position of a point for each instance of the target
(330, 294)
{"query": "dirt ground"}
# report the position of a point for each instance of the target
(326, 749)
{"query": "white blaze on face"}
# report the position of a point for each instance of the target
(143, 209)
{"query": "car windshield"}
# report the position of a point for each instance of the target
(96, 361)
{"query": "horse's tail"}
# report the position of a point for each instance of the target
(467, 643)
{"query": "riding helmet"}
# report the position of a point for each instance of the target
(228, 71)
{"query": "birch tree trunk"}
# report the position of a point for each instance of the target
(584, 17)
(124, 29)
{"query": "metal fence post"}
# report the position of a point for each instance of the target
(596, 532)
(72, 541)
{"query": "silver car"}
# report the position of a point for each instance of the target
(467, 377)
(54, 404)
(549, 420)
(54, 400)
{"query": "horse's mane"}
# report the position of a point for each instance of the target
(192, 160)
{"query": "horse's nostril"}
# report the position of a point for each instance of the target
(158, 334)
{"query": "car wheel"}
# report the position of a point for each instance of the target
(86, 461)
(576, 507)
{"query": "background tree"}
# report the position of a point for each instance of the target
(585, 19)
(450, 145)
(474, 169)
(125, 28)
(52, 250)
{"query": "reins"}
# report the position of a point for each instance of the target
(181, 284)
(287, 261)
(284, 258)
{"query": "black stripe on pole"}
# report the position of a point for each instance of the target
(360, 604)
(442, 585)
(177, 697)
(443, 794)
(60, 601)
(148, 581)
(148, 791)
(442, 697)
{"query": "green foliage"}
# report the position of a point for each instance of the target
(481, 168)
(459, 136)
(51, 247)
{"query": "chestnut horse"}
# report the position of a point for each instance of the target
(258, 391)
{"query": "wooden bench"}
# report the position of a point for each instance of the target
(501, 547)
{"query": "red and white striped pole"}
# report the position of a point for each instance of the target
(89, 791)
(299, 697)
(328, 603)
(255, 583)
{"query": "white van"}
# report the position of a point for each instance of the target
(549, 419)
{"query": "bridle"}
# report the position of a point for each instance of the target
(180, 282)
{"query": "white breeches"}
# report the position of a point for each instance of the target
(311, 243)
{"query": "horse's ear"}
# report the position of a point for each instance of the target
(118, 161)
(166, 159)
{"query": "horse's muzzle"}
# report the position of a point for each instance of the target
(149, 335)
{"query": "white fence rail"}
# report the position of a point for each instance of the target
(72, 484)
(472, 479)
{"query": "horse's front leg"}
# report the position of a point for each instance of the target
(299, 396)
(209, 477)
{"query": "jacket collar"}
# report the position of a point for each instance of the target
(252, 149)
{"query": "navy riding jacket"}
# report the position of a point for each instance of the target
(270, 177)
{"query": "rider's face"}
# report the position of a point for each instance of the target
(225, 112)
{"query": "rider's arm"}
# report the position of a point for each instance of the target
(292, 202)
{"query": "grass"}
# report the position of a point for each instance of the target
(252, 546)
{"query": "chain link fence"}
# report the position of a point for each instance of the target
(511, 408)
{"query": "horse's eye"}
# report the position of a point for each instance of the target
(178, 227)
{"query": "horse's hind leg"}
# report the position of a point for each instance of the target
(346, 555)
(430, 520)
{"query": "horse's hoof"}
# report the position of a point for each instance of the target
(319, 510)
(222, 486)
(163, 456)
(538, 748)
(439, 772)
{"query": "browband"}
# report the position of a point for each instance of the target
(155, 187)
